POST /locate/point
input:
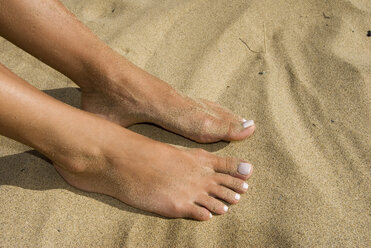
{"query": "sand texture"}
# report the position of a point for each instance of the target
(300, 69)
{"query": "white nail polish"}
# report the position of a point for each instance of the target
(237, 196)
(210, 215)
(247, 124)
(245, 186)
(225, 208)
(244, 168)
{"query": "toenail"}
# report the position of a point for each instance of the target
(245, 186)
(246, 123)
(244, 168)
(237, 196)
(210, 215)
(225, 208)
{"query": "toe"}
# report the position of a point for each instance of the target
(232, 183)
(232, 166)
(239, 130)
(212, 128)
(212, 204)
(235, 128)
(224, 194)
(199, 213)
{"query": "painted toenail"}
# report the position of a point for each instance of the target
(245, 186)
(244, 168)
(225, 208)
(246, 123)
(237, 196)
(210, 215)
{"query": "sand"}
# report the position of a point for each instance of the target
(300, 69)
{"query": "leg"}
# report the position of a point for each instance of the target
(97, 155)
(112, 87)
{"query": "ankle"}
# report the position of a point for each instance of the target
(75, 153)
(101, 70)
(78, 160)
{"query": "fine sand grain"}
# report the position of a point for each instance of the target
(300, 69)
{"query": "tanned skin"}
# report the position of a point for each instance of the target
(91, 148)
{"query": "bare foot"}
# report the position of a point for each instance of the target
(129, 95)
(150, 175)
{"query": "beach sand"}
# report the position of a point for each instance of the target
(300, 69)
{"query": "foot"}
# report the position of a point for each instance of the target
(136, 96)
(150, 175)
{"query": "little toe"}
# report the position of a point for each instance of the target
(198, 213)
(212, 204)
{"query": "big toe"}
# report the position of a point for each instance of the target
(229, 126)
(239, 130)
(224, 128)
(225, 165)
(234, 167)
